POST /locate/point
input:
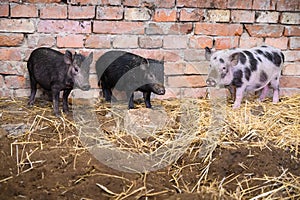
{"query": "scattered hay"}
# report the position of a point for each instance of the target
(255, 124)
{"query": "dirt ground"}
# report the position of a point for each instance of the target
(53, 164)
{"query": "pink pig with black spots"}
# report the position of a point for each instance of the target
(247, 70)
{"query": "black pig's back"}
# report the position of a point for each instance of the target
(47, 67)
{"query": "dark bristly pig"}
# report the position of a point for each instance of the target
(247, 70)
(55, 72)
(129, 72)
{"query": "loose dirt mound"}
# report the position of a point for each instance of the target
(255, 156)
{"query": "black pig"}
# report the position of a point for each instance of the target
(129, 72)
(55, 71)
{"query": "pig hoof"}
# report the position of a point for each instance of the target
(235, 107)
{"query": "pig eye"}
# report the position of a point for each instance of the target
(224, 68)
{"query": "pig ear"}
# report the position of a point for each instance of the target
(207, 53)
(87, 61)
(68, 57)
(234, 59)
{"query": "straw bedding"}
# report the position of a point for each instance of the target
(199, 128)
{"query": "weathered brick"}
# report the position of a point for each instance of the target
(196, 68)
(125, 41)
(4, 10)
(290, 81)
(14, 82)
(17, 25)
(291, 69)
(226, 42)
(264, 30)
(11, 54)
(292, 31)
(110, 12)
(37, 40)
(288, 5)
(66, 26)
(169, 28)
(175, 42)
(73, 41)
(161, 4)
(295, 43)
(150, 42)
(12, 67)
(193, 92)
(106, 27)
(112, 2)
(137, 14)
(131, 2)
(218, 15)
(93, 80)
(248, 42)
(194, 55)
(174, 68)
(165, 15)
(86, 2)
(242, 16)
(41, 1)
(81, 12)
(263, 5)
(200, 42)
(266, 17)
(280, 43)
(290, 18)
(246, 4)
(192, 81)
(291, 56)
(53, 11)
(191, 14)
(218, 29)
(11, 39)
(195, 3)
(98, 41)
(21, 10)
(2, 83)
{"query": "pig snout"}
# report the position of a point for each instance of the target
(85, 87)
(211, 82)
(159, 89)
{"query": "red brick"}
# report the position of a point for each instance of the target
(263, 5)
(193, 92)
(97, 41)
(17, 25)
(226, 42)
(174, 68)
(131, 2)
(195, 3)
(192, 81)
(165, 15)
(169, 28)
(291, 69)
(106, 27)
(137, 14)
(218, 29)
(246, 4)
(12, 68)
(66, 26)
(262, 30)
(290, 81)
(249, 42)
(295, 43)
(164, 4)
(11, 39)
(54, 12)
(288, 5)
(291, 56)
(200, 42)
(11, 54)
(93, 81)
(175, 42)
(4, 10)
(111, 2)
(37, 40)
(292, 31)
(280, 43)
(73, 41)
(81, 12)
(15, 82)
(41, 1)
(150, 42)
(111, 12)
(125, 41)
(194, 55)
(21, 10)
(191, 14)
(196, 67)
(243, 16)
(86, 2)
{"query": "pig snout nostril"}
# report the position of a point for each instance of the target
(210, 82)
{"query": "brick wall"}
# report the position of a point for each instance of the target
(176, 31)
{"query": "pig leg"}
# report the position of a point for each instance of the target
(275, 86)
(33, 91)
(264, 93)
(65, 100)
(55, 100)
(238, 97)
(147, 99)
(106, 92)
(131, 103)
